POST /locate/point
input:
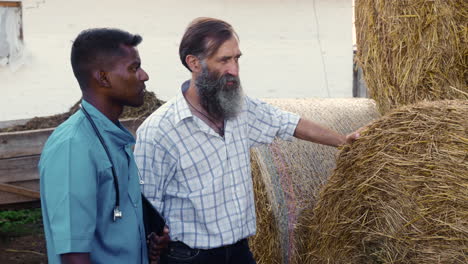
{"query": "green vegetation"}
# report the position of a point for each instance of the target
(20, 222)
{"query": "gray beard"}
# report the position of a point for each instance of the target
(216, 97)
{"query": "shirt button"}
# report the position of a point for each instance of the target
(142, 182)
(135, 205)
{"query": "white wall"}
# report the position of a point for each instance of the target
(11, 45)
(292, 49)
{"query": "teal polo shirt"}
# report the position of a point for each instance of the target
(78, 195)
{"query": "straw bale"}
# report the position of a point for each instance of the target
(413, 50)
(286, 175)
(264, 245)
(399, 194)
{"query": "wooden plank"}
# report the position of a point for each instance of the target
(23, 143)
(21, 205)
(31, 142)
(19, 169)
(9, 188)
(12, 198)
(10, 4)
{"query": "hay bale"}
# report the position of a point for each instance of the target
(412, 50)
(286, 175)
(151, 103)
(265, 244)
(399, 194)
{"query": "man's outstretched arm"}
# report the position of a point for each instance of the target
(313, 132)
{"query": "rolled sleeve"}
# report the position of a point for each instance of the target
(267, 122)
(70, 184)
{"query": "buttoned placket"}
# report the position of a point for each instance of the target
(228, 138)
(226, 141)
(139, 215)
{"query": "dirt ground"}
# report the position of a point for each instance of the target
(150, 105)
(24, 249)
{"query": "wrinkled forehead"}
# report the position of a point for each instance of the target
(229, 47)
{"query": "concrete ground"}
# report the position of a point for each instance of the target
(291, 48)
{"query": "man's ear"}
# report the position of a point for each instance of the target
(101, 78)
(193, 63)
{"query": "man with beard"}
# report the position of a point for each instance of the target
(194, 151)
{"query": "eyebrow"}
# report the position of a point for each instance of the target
(135, 63)
(229, 57)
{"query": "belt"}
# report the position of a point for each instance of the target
(183, 245)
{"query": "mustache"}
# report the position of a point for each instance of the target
(218, 98)
(212, 80)
(230, 78)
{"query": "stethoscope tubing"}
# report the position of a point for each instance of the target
(117, 212)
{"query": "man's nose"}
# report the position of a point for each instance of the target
(144, 76)
(233, 69)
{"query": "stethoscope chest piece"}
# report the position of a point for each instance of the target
(117, 214)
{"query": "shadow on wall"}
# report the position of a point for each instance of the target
(11, 35)
(359, 85)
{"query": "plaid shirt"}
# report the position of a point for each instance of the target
(199, 181)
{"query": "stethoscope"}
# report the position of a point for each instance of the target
(117, 212)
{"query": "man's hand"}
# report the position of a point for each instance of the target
(75, 258)
(350, 138)
(157, 244)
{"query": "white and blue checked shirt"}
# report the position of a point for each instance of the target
(200, 181)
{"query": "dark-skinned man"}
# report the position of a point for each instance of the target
(85, 220)
(194, 151)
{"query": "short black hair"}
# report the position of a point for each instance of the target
(203, 37)
(96, 47)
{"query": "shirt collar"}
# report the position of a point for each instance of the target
(115, 133)
(182, 109)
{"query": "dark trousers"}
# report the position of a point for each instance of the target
(180, 253)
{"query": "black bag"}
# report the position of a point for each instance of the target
(153, 221)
